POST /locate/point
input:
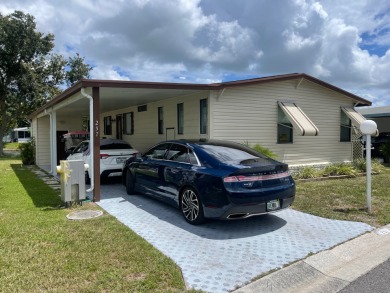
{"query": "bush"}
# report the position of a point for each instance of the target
(27, 152)
(384, 149)
(376, 166)
(306, 173)
(258, 148)
(339, 169)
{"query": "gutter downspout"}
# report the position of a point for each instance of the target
(91, 139)
(51, 138)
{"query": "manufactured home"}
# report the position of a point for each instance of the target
(302, 119)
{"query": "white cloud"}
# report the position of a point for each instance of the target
(203, 41)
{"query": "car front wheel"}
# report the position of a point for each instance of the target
(191, 206)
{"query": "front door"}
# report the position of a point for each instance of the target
(119, 126)
(61, 155)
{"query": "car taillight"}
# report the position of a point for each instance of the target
(104, 156)
(242, 178)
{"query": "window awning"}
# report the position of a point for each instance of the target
(299, 119)
(356, 117)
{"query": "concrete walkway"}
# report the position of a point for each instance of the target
(331, 270)
(222, 256)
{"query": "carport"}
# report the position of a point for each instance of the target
(85, 101)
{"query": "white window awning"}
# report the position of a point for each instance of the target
(356, 117)
(299, 119)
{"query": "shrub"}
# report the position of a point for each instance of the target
(384, 149)
(306, 173)
(339, 169)
(27, 152)
(376, 166)
(258, 148)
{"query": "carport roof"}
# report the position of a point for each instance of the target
(183, 88)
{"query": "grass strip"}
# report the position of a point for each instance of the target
(345, 199)
(41, 250)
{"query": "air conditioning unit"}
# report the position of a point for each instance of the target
(72, 180)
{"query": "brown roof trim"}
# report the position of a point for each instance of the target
(144, 84)
(291, 76)
(84, 83)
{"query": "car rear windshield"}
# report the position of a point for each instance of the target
(232, 155)
(115, 146)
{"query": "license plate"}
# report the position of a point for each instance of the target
(120, 160)
(273, 205)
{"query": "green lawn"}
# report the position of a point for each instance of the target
(11, 145)
(42, 251)
(345, 199)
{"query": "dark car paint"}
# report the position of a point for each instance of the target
(164, 180)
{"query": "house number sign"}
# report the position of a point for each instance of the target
(97, 128)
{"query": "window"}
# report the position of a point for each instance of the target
(107, 125)
(180, 153)
(160, 119)
(285, 128)
(203, 116)
(180, 118)
(128, 123)
(299, 120)
(143, 108)
(345, 127)
(157, 152)
(81, 147)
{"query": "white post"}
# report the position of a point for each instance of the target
(368, 171)
(368, 127)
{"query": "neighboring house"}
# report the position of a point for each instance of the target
(381, 115)
(21, 135)
(302, 119)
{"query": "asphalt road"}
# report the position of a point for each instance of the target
(377, 280)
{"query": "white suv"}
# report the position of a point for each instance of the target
(113, 153)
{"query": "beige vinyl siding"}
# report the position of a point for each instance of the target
(146, 124)
(249, 114)
(70, 124)
(41, 130)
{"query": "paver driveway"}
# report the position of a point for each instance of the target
(223, 255)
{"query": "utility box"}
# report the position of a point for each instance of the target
(72, 180)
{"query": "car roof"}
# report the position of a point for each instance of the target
(202, 141)
(106, 141)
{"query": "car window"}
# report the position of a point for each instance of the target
(158, 151)
(179, 153)
(227, 154)
(82, 147)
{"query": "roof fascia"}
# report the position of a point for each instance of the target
(84, 83)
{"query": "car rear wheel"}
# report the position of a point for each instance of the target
(129, 183)
(191, 206)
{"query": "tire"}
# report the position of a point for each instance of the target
(129, 183)
(191, 206)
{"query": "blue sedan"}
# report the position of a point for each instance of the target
(211, 179)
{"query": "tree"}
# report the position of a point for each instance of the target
(77, 70)
(30, 74)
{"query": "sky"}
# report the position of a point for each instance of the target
(343, 42)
